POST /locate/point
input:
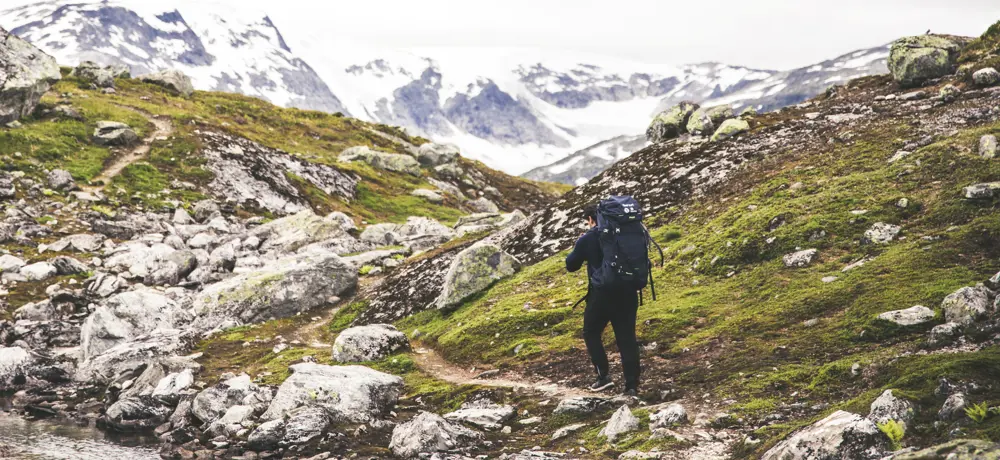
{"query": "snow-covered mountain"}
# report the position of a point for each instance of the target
(514, 109)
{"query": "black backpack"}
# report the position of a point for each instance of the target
(625, 245)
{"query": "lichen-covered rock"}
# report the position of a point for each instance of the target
(349, 394)
(671, 122)
(914, 60)
(9, 263)
(289, 234)
(674, 414)
(60, 179)
(102, 77)
(881, 233)
(368, 343)
(967, 305)
(581, 405)
(267, 435)
(988, 146)
(126, 316)
(15, 364)
(982, 191)
(304, 424)
(730, 128)
(429, 195)
(704, 120)
(114, 133)
(622, 422)
(915, 315)
(433, 154)
(213, 402)
(78, 243)
(987, 76)
(949, 93)
(482, 205)
(888, 407)
(841, 435)
(474, 270)
(959, 449)
(800, 258)
(157, 345)
(279, 289)
(486, 416)
(137, 413)
(944, 334)
(953, 407)
(429, 433)
(38, 271)
(382, 160)
(174, 80)
(27, 74)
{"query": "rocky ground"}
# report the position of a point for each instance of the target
(828, 290)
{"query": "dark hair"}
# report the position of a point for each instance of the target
(590, 211)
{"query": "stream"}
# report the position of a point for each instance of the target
(62, 439)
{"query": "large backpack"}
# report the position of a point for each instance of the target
(625, 245)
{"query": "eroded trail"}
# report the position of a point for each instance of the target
(163, 128)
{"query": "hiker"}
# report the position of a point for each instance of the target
(615, 230)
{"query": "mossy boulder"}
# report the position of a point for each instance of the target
(730, 128)
(173, 80)
(368, 343)
(27, 74)
(670, 123)
(705, 119)
(959, 449)
(474, 270)
(388, 161)
(839, 435)
(914, 60)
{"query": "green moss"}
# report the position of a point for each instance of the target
(343, 318)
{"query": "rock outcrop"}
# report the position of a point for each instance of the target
(671, 122)
(429, 433)
(914, 60)
(27, 73)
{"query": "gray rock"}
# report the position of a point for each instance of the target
(343, 220)
(381, 234)
(382, 160)
(489, 416)
(482, 205)
(982, 191)
(104, 285)
(125, 356)
(182, 217)
(206, 210)
(114, 133)
(567, 430)
(103, 77)
(704, 120)
(880, 233)
(841, 435)
(232, 421)
(60, 179)
(622, 422)
(368, 343)
(349, 394)
(959, 449)
(291, 233)
(944, 334)
(137, 413)
(78, 243)
(953, 407)
(671, 122)
(949, 93)
(37, 311)
(27, 74)
(475, 269)
(429, 195)
(988, 146)
(674, 414)
(267, 435)
(581, 405)
(9, 263)
(174, 80)
(987, 76)
(917, 314)
(213, 402)
(428, 433)
(888, 407)
(304, 424)
(126, 316)
(15, 364)
(68, 266)
(730, 128)
(433, 154)
(38, 271)
(800, 259)
(171, 385)
(279, 289)
(967, 305)
(914, 60)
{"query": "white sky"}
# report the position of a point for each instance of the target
(773, 34)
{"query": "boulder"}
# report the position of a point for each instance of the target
(9, 263)
(486, 416)
(103, 77)
(291, 233)
(967, 305)
(944, 334)
(104, 285)
(169, 269)
(428, 433)
(959, 449)
(7, 191)
(126, 316)
(348, 394)
(15, 364)
(988, 146)
(915, 315)
(38, 271)
(800, 258)
(987, 76)
(880, 233)
(381, 234)
(169, 387)
(305, 424)
(473, 270)
(433, 154)
(37, 311)
(368, 343)
(113, 133)
(27, 74)
(78, 243)
(382, 160)
(674, 414)
(60, 179)
(206, 210)
(982, 191)
(138, 413)
(232, 420)
(670, 123)
(279, 289)
(953, 407)
(581, 405)
(213, 402)
(133, 354)
(622, 422)
(841, 435)
(429, 195)
(704, 120)
(914, 60)
(69, 266)
(949, 93)
(730, 128)
(174, 80)
(888, 407)
(267, 435)
(567, 430)
(482, 205)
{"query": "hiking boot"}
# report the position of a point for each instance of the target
(631, 393)
(602, 383)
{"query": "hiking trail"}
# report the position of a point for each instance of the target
(163, 128)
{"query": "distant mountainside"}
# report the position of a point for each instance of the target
(513, 109)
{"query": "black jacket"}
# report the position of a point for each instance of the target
(587, 249)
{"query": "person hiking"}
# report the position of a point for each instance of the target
(615, 228)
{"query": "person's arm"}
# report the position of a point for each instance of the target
(578, 256)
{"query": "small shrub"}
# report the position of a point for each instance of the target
(893, 430)
(366, 269)
(978, 412)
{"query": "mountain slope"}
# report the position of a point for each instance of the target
(513, 109)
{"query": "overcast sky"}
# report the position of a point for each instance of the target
(773, 34)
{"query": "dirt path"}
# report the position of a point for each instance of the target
(162, 129)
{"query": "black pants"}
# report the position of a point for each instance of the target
(619, 308)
